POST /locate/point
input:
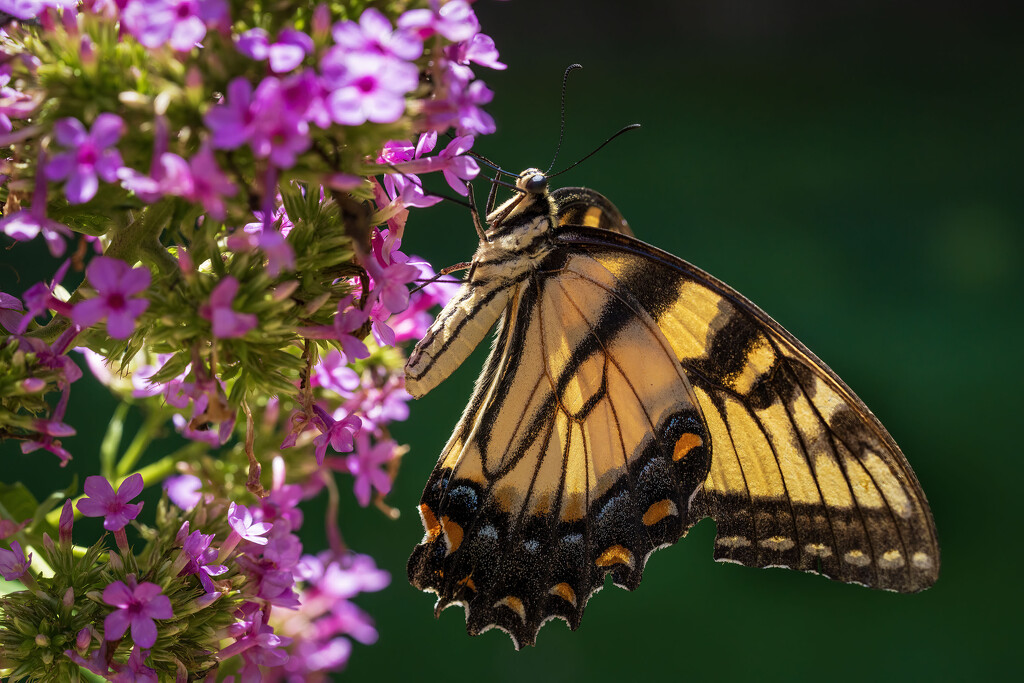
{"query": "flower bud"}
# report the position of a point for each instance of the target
(83, 639)
(115, 562)
(87, 51)
(42, 640)
(67, 521)
(32, 385)
(69, 597)
(321, 22)
(179, 539)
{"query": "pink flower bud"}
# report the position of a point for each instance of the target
(83, 639)
(67, 521)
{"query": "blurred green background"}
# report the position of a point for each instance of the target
(856, 169)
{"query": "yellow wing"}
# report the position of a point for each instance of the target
(802, 474)
(577, 456)
(628, 395)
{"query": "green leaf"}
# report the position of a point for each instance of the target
(17, 501)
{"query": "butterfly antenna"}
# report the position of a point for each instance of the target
(561, 127)
(487, 162)
(441, 273)
(630, 127)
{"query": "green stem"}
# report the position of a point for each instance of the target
(147, 432)
(112, 440)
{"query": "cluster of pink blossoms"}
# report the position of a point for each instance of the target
(235, 203)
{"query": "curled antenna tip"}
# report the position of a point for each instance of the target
(561, 127)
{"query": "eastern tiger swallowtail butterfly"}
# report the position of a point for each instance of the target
(628, 395)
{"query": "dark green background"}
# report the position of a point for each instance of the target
(855, 168)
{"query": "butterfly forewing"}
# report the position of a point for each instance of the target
(628, 394)
(803, 475)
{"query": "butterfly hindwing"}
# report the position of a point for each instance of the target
(576, 458)
(629, 394)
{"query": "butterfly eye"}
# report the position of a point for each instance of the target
(537, 183)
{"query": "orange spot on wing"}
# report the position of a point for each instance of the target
(514, 604)
(453, 533)
(564, 591)
(659, 511)
(616, 554)
(430, 523)
(686, 443)
(467, 581)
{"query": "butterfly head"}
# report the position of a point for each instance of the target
(533, 181)
(530, 209)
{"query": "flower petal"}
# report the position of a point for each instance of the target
(117, 594)
(130, 487)
(107, 129)
(99, 488)
(115, 624)
(143, 631)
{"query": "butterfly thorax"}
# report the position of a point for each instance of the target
(518, 239)
(519, 233)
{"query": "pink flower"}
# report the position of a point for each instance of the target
(457, 166)
(135, 670)
(365, 86)
(9, 527)
(479, 49)
(231, 122)
(30, 9)
(241, 522)
(365, 465)
(405, 187)
(184, 490)
(270, 119)
(138, 604)
(337, 433)
(183, 23)
(390, 285)
(290, 49)
(28, 223)
(280, 131)
(209, 184)
(90, 154)
(101, 501)
(115, 283)
(258, 645)
(199, 559)
(334, 373)
(225, 322)
(285, 55)
(373, 34)
(454, 20)
(13, 563)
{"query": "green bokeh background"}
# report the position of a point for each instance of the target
(856, 169)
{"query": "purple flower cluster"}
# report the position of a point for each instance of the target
(236, 121)
(326, 619)
(459, 97)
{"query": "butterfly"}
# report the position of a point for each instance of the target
(628, 395)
